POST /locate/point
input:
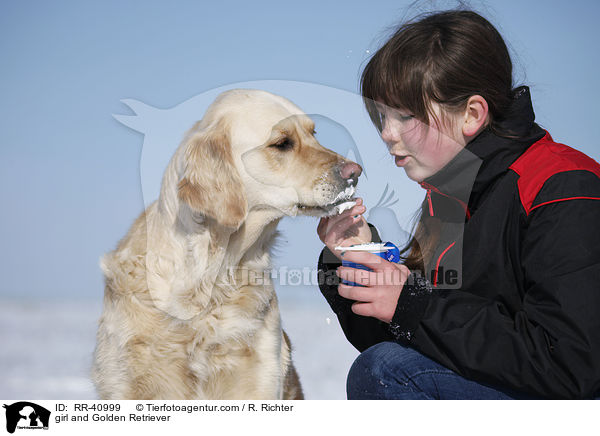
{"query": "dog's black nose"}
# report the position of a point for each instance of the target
(350, 171)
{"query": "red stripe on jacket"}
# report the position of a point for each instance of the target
(541, 161)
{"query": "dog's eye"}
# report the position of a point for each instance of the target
(284, 145)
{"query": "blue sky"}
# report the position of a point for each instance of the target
(70, 173)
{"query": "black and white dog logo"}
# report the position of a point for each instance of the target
(26, 415)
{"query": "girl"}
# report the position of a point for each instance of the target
(498, 295)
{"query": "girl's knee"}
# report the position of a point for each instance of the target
(389, 356)
(375, 369)
(388, 370)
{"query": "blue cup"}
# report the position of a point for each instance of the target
(387, 251)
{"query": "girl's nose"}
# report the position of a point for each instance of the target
(389, 134)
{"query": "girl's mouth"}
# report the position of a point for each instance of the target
(401, 160)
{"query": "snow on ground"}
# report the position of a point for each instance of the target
(47, 347)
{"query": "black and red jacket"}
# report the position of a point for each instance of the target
(511, 297)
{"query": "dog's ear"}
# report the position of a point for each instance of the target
(210, 183)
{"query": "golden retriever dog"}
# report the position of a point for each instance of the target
(189, 310)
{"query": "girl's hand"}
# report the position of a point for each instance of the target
(382, 286)
(345, 229)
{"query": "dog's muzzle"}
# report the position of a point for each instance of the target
(337, 196)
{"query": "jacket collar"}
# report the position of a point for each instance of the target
(488, 156)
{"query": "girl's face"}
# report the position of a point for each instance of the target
(421, 149)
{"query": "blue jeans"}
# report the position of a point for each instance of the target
(390, 371)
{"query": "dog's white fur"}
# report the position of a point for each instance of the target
(181, 320)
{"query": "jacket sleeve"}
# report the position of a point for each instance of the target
(362, 332)
(551, 347)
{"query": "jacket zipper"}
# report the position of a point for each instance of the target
(429, 201)
(433, 188)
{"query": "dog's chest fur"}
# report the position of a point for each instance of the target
(238, 343)
(232, 349)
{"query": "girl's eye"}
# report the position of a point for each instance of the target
(406, 117)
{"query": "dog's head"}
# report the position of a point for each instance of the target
(254, 149)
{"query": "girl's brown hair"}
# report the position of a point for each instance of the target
(444, 57)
